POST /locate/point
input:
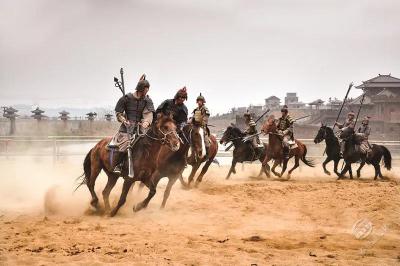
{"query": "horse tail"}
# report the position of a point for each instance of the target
(387, 158)
(83, 178)
(306, 161)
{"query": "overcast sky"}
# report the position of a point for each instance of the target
(65, 53)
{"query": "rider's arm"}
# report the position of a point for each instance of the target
(120, 109)
(147, 118)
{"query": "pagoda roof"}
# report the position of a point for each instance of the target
(91, 114)
(63, 112)
(381, 81)
(10, 110)
(272, 98)
(316, 102)
(37, 111)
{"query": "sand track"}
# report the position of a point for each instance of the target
(306, 220)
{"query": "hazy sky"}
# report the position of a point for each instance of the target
(65, 53)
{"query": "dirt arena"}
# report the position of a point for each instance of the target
(311, 219)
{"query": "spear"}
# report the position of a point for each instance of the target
(359, 109)
(120, 84)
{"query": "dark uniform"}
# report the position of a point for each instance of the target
(285, 128)
(179, 111)
(349, 123)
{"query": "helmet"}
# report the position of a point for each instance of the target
(351, 113)
(284, 109)
(366, 120)
(182, 93)
(142, 84)
(247, 114)
(201, 98)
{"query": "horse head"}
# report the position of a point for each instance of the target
(321, 135)
(194, 136)
(269, 125)
(231, 133)
(164, 129)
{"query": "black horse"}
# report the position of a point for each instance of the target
(353, 154)
(332, 147)
(242, 152)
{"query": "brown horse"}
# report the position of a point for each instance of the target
(146, 154)
(275, 150)
(196, 141)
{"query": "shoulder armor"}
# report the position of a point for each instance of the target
(149, 104)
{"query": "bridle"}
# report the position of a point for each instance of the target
(164, 139)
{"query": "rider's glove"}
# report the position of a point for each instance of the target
(145, 124)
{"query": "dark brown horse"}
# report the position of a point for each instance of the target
(275, 150)
(197, 157)
(146, 154)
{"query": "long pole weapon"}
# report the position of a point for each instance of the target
(341, 108)
(359, 110)
(120, 84)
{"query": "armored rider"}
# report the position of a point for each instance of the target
(200, 118)
(176, 107)
(364, 131)
(349, 123)
(135, 113)
(285, 129)
(251, 129)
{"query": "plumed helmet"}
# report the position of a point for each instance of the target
(181, 93)
(142, 84)
(201, 98)
(285, 109)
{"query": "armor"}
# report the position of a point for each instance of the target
(130, 108)
(200, 118)
(251, 130)
(133, 108)
(363, 132)
(285, 128)
(179, 112)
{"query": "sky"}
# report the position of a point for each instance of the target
(236, 53)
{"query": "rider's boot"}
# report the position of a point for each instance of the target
(286, 153)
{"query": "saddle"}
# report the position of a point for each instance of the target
(119, 142)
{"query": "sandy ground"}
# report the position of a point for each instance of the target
(307, 220)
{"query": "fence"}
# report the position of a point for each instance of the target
(58, 146)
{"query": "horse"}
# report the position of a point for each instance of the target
(332, 147)
(196, 140)
(275, 150)
(353, 154)
(146, 154)
(242, 152)
(174, 166)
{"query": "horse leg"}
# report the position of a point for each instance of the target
(193, 173)
(232, 169)
(327, 160)
(377, 170)
(152, 185)
(203, 172)
(171, 182)
(335, 166)
(359, 169)
(276, 163)
(284, 166)
(112, 180)
(296, 164)
(94, 172)
(125, 189)
(344, 171)
(265, 167)
(350, 171)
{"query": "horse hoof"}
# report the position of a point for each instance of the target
(327, 172)
(113, 213)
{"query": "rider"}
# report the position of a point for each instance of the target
(200, 118)
(135, 113)
(251, 130)
(364, 131)
(349, 123)
(176, 107)
(285, 129)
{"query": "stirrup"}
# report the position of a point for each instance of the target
(117, 169)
